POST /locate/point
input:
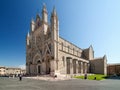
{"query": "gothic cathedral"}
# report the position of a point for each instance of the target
(48, 53)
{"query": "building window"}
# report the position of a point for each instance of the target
(68, 49)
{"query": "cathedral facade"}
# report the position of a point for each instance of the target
(48, 53)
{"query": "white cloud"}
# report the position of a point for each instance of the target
(22, 66)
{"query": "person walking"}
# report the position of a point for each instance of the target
(20, 77)
(85, 77)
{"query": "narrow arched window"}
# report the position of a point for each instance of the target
(68, 49)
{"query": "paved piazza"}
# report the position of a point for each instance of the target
(73, 84)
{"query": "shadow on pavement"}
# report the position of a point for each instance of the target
(113, 77)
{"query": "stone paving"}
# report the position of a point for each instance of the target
(71, 84)
(49, 78)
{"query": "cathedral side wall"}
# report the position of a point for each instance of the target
(98, 66)
(69, 47)
(62, 60)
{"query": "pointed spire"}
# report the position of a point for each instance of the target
(44, 7)
(37, 17)
(54, 11)
(44, 14)
(32, 25)
(104, 57)
(28, 38)
(28, 34)
(91, 46)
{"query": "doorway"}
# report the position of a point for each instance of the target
(39, 69)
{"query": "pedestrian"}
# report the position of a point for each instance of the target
(85, 77)
(55, 76)
(95, 78)
(20, 77)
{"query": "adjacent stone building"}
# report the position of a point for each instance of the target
(2, 70)
(13, 71)
(7, 71)
(48, 53)
(113, 69)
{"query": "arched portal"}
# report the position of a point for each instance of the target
(42, 66)
(39, 65)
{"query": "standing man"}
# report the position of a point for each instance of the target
(85, 77)
(20, 77)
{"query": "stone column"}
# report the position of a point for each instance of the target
(68, 67)
(85, 67)
(27, 69)
(65, 67)
(55, 66)
(88, 67)
(31, 69)
(52, 67)
(52, 63)
(71, 66)
(81, 67)
(35, 69)
(77, 66)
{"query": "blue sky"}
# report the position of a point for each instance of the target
(83, 22)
